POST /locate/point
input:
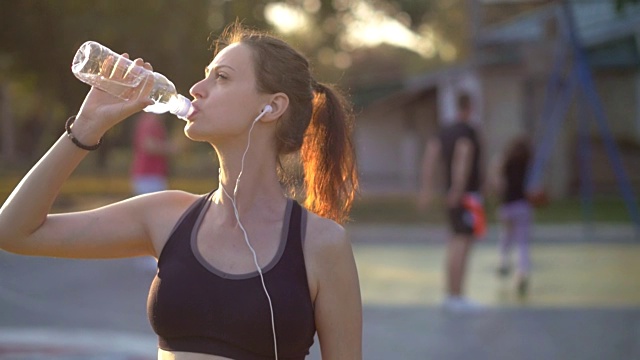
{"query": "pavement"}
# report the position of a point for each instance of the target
(584, 300)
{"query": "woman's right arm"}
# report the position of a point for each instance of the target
(25, 224)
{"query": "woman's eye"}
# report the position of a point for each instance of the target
(218, 75)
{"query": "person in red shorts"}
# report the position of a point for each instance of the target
(458, 147)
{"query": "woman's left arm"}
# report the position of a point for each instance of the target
(338, 305)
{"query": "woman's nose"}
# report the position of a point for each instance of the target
(196, 90)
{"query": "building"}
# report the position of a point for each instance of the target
(509, 78)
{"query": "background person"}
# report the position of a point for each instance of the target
(515, 212)
(151, 151)
(150, 165)
(458, 147)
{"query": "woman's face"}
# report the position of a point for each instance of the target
(227, 100)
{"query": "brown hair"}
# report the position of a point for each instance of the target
(318, 121)
(519, 149)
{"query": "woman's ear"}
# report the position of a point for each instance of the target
(279, 104)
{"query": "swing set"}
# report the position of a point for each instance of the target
(571, 75)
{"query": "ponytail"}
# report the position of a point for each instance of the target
(328, 156)
(318, 122)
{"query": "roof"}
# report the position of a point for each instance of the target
(416, 88)
(609, 36)
(597, 22)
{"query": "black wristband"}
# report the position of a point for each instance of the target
(82, 146)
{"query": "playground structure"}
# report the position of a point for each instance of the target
(571, 79)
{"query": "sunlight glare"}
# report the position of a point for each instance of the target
(286, 18)
(370, 27)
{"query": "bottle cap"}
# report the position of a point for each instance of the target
(184, 107)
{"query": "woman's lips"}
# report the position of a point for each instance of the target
(192, 113)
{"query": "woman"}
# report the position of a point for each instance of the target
(515, 211)
(243, 272)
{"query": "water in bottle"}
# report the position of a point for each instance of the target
(96, 65)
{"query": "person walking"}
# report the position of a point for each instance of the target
(244, 271)
(458, 147)
(515, 211)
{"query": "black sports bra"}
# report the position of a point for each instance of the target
(194, 307)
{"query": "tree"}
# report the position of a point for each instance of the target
(39, 37)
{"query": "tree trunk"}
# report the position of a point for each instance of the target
(7, 127)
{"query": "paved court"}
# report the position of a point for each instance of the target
(584, 301)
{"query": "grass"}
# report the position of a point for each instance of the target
(402, 210)
(87, 190)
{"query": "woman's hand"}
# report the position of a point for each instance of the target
(100, 110)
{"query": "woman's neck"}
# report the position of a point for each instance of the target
(258, 179)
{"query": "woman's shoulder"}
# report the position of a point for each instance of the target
(163, 207)
(325, 237)
(162, 210)
(167, 198)
(327, 252)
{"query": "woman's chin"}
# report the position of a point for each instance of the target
(191, 132)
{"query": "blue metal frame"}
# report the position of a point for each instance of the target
(556, 104)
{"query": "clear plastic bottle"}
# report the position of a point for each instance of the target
(93, 63)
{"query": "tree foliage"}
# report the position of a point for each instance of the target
(41, 36)
(38, 39)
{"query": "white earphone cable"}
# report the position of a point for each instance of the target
(246, 236)
(235, 189)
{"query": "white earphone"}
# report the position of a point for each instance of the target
(266, 109)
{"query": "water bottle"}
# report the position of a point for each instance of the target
(93, 63)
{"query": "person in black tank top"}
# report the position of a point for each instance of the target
(217, 313)
(244, 272)
(457, 146)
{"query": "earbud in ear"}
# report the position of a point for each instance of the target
(266, 109)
